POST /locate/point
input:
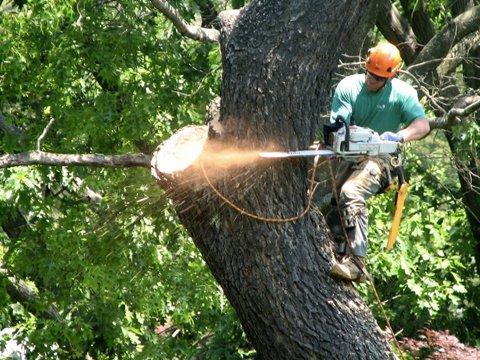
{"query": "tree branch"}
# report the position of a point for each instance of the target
(459, 6)
(458, 54)
(441, 44)
(424, 91)
(397, 30)
(421, 23)
(45, 131)
(457, 114)
(193, 32)
(227, 20)
(45, 158)
(28, 297)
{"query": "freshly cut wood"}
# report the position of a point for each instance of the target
(180, 151)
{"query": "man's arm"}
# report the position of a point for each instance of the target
(341, 102)
(418, 129)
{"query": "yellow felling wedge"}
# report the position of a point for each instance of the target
(401, 196)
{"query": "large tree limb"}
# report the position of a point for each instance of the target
(397, 30)
(419, 19)
(441, 44)
(457, 114)
(193, 32)
(458, 54)
(459, 6)
(100, 160)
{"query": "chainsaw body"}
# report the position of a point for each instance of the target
(354, 141)
(344, 141)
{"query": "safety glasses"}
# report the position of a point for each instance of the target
(376, 77)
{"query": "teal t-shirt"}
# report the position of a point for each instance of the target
(396, 105)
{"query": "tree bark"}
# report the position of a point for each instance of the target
(419, 19)
(439, 46)
(397, 30)
(278, 59)
(45, 158)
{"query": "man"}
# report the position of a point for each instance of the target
(385, 104)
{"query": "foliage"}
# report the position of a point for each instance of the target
(429, 279)
(116, 78)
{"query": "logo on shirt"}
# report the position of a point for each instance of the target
(381, 107)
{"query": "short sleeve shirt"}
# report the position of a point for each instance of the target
(395, 106)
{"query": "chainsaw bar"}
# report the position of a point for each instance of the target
(299, 153)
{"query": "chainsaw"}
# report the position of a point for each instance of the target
(351, 142)
(344, 141)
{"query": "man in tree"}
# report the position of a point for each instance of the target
(383, 103)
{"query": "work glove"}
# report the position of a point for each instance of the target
(391, 136)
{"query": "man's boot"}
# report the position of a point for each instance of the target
(351, 268)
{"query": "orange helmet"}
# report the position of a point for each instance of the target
(383, 60)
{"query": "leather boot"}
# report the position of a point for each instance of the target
(351, 268)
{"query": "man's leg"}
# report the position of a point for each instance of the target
(364, 181)
(343, 170)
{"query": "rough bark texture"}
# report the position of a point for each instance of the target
(459, 6)
(419, 19)
(278, 59)
(397, 30)
(361, 40)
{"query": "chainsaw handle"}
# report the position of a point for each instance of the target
(340, 119)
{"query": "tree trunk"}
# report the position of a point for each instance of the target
(419, 19)
(278, 58)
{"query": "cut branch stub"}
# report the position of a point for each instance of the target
(190, 158)
(180, 151)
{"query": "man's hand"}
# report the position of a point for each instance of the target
(391, 136)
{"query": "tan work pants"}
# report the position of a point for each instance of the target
(356, 183)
